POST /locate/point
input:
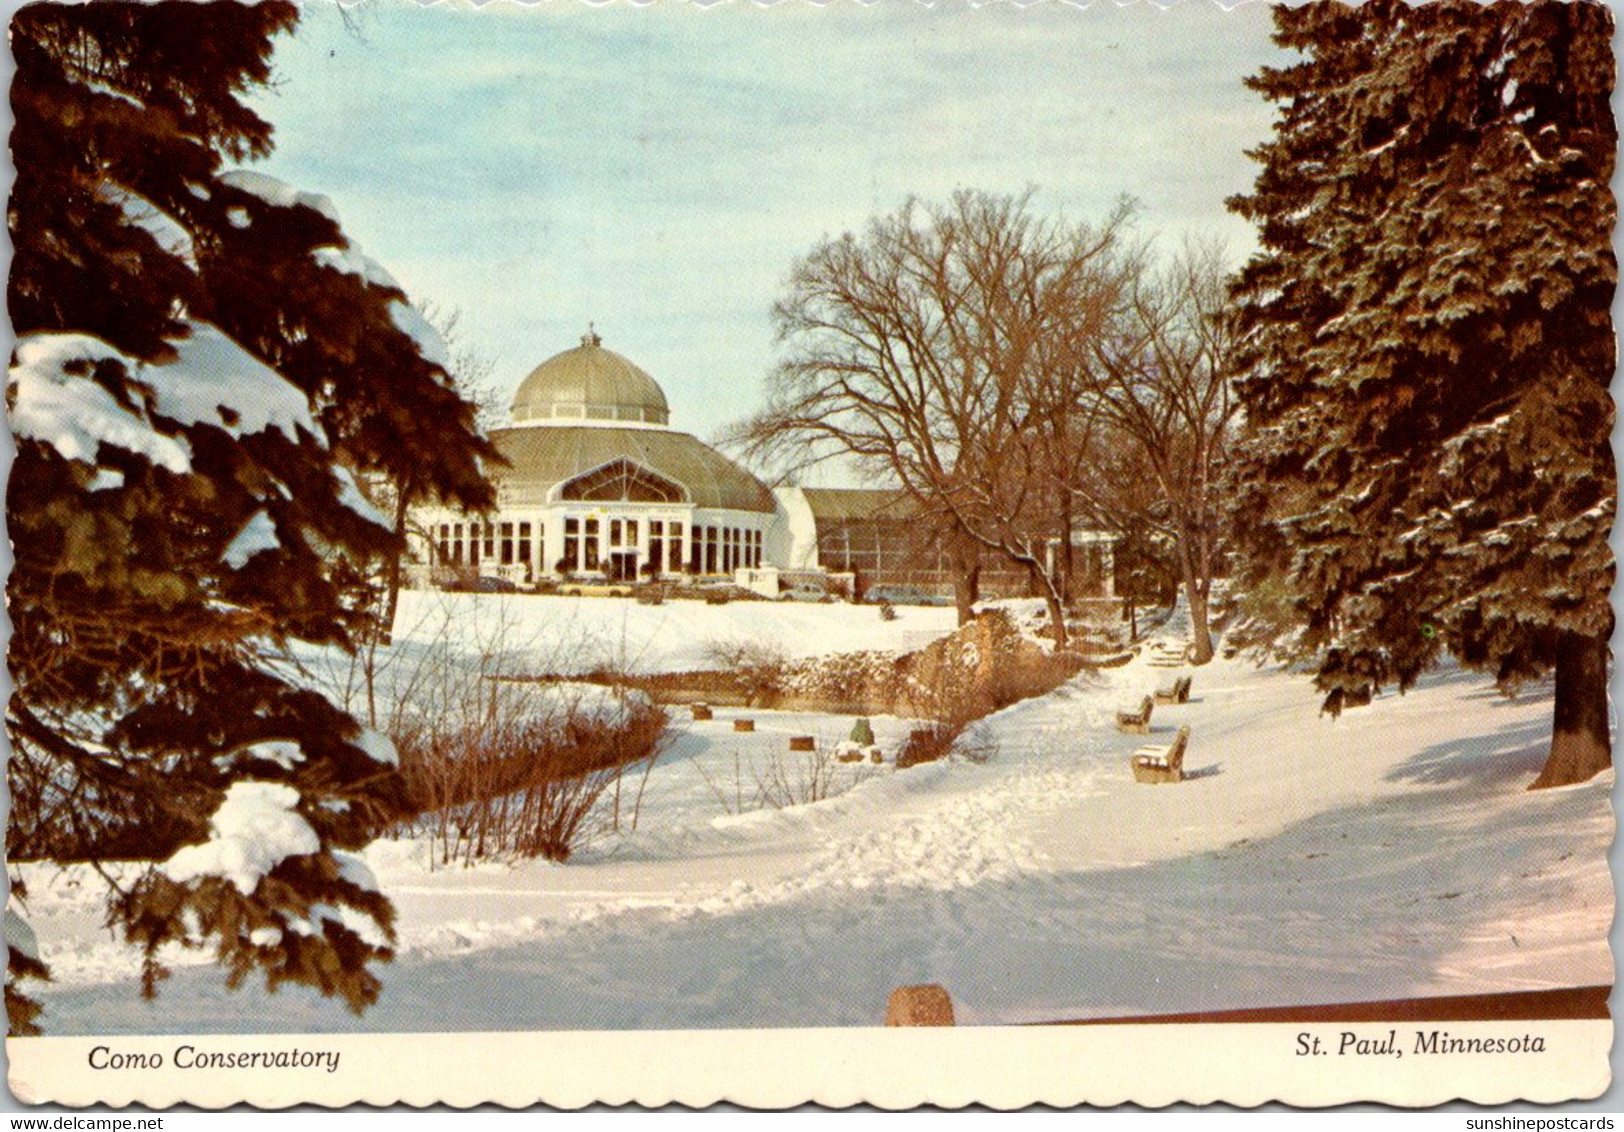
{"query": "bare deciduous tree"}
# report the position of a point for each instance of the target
(943, 349)
(1165, 387)
(470, 373)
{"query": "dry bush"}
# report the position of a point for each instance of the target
(757, 667)
(494, 766)
(528, 779)
(783, 779)
(953, 698)
(973, 743)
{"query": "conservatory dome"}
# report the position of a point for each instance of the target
(589, 385)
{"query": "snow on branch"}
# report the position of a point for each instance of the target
(55, 402)
(351, 260)
(169, 233)
(258, 534)
(215, 381)
(255, 829)
(410, 321)
(278, 193)
(349, 495)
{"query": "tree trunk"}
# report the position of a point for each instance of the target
(966, 583)
(1200, 632)
(1066, 557)
(1051, 599)
(1195, 592)
(386, 627)
(1580, 745)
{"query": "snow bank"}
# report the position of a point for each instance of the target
(20, 937)
(1396, 849)
(254, 830)
(1029, 615)
(568, 636)
(589, 703)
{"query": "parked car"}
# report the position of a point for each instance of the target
(804, 591)
(490, 584)
(595, 589)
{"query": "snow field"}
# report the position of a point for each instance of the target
(567, 636)
(1389, 853)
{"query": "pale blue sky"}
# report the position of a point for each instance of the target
(658, 169)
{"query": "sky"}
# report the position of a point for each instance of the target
(657, 170)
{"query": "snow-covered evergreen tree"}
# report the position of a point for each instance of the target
(189, 398)
(1427, 348)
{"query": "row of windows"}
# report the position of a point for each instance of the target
(711, 550)
(646, 413)
(507, 543)
(866, 546)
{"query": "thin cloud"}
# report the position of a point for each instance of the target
(658, 169)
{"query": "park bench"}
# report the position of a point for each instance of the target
(1136, 722)
(1176, 693)
(1156, 764)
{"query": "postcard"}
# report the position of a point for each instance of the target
(792, 553)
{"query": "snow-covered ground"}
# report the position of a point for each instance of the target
(1390, 853)
(572, 635)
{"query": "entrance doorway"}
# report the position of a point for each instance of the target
(623, 565)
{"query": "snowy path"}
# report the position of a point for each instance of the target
(1393, 852)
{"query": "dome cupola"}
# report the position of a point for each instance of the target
(589, 385)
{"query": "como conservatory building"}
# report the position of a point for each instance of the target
(598, 484)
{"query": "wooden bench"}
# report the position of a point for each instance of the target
(1136, 722)
(1157, 764)
(1177, 693)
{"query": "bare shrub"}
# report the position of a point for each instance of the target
(781, 779)
(973, 743)
(494, 766)
(784, 781)
(927, 744)
(529, 778)
(955, 693)
(757, 667)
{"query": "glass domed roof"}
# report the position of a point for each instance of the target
(589, 384)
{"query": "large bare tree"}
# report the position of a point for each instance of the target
(1165, 389)
(946, 349)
